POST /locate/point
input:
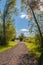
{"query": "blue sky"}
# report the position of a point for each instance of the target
(21, 21)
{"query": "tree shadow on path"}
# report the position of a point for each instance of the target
(28, 59)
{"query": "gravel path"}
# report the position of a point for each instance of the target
(11, 56)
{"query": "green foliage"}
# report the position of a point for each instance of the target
(21, 37)
(10, 31)
(33, 47)
(10, 45)
(37, 39)
(29, 39)
(33, 43)
(8, 28)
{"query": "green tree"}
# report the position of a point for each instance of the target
(33, 6)
(8, 9)
(21, 37)
(10, 31)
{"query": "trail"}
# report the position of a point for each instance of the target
(11, 56)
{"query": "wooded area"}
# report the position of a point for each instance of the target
(34, 10)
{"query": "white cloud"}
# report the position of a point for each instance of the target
(23, 15)
(24, 30)
(28, 34)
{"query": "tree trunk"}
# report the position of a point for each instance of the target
(4, 33)
(4, 17)
(41, 37)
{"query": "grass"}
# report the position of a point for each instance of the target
(33, 47)
(10, 45)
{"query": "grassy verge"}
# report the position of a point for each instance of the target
(33, 47)
(10, 45)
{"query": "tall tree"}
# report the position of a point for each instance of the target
(9, 4)
(34, 5)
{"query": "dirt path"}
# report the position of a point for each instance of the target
(11, 56)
